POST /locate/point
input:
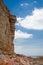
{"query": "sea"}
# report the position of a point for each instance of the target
(34, 56)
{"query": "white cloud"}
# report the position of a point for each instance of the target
(34, 21)
(29, 50)
(24, 4)
(20, 34)
(19, 19)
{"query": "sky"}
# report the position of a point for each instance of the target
(29, 26)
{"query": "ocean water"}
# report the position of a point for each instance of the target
(34, 56)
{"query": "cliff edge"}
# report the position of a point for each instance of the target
(7, 29)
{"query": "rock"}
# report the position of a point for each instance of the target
(7, 29)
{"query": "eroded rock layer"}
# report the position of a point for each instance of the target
(7, 27)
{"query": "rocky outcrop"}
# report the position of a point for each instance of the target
(7, 28)
(7, 32)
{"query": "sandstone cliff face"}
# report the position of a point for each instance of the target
(7, 28)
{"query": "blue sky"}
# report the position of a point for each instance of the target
(29, 26)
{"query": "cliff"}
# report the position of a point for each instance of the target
(7, 32)
(7, 29)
